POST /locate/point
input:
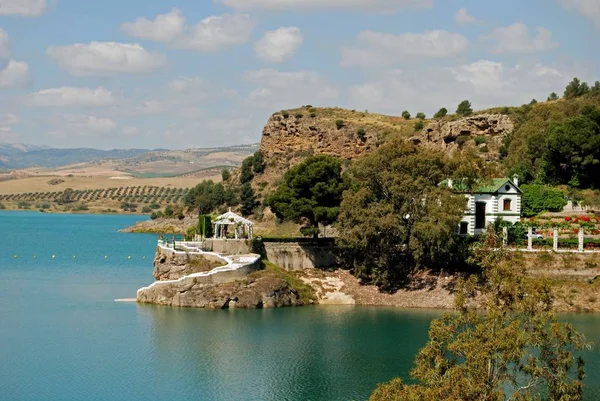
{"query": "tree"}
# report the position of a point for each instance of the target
(571, 154)
(258, 163)
(421, 115)
(441, 113)
(169, 212)
(406, 115)
(310, 193)
(576, 88)
(225, 175)
(553, 96)
(246, 171)
(66, 197)
(540, 198)
(533, 101)
(595, 90)
(207, 196)
(248, 199)
(510, 348)
(464, 108)
(396, 218)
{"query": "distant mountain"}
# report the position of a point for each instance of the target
(17, 156)
(20, 156)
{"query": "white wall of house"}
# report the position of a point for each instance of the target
(494, 208)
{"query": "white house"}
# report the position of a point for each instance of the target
(488, 202)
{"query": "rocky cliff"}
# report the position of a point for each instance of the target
(292, 135)
(484, 131)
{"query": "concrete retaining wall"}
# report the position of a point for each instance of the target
(296, 256)
(228, 246)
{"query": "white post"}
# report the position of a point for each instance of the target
(555, 245)
(581, 236)
(530, 239)
(505, 236)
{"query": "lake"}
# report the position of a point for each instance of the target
(62, 336)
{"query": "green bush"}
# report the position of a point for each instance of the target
(441, 113)
(462, 139)
(362, 134)
(339, 124)
(298, 115)
(464, 108)
(146, 209)
(406, 115)
(479, 139)
(541, 198)
(421, 116)
(419, 125)
(285, 114)
(313, 115)
(484, 149)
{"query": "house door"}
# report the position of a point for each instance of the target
(479, 215)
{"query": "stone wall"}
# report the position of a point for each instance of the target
(228, 246)
(297, 256)
(171, 265)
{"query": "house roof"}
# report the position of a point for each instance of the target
(485, 187)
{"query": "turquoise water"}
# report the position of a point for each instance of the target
(62, 337)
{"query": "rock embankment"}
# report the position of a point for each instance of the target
(163, 226)
(250, 293)
(170, 265)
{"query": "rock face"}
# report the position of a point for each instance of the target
(449, 136)
(172, 266)
(250, 293)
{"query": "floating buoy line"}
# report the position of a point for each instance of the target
(75, 257)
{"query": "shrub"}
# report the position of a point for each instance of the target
(406, 115)
(298, 115)
(441, 113)
(540, 198)
(462, 139)
(312, 110)
(484, 149)
(146, 209)
(421, 115)
(339, 124)
(480, 139)
(313, 115)
(419, 125)
(464, 108)
(285, 114)
(362, 134)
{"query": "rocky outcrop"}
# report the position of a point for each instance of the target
(291, 136)
(169, 265)
(451, 135)
(163, 226)
(250, 293)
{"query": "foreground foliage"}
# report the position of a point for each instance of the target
(512, 348)
(396, 217)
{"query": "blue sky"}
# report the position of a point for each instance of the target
(180, 74)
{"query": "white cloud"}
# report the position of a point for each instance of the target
(376, 49)
(485, 83)
(4, 44)
(81, 125)
(25, 8)
(69, 96)
(588, 8)
(164, 28)
(276, 89)
(104, 58)
(279, 45)
(515, 39)
(183, 84)
(359, 5)
(463, 17)
(210, 34)
(15, 74)
(7, 121)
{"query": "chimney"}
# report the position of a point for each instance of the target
(450, 183)
(516, 180)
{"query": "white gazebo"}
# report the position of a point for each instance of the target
(242, 227)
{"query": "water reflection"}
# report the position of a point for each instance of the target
(321, 353)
